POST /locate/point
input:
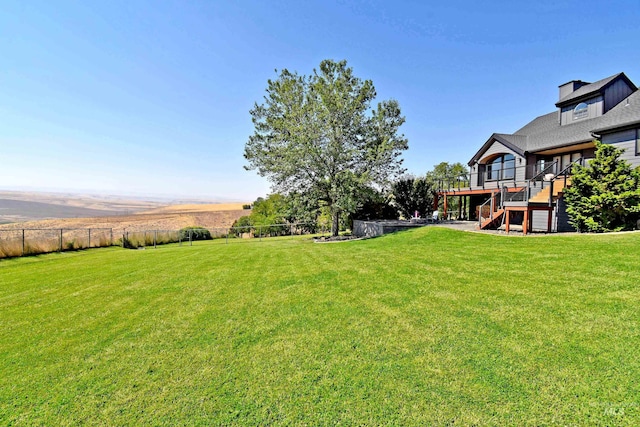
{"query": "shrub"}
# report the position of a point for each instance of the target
(245, 207)
(241, 225)
(197, 233)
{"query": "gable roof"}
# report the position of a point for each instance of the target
(545, 132)
(515, 143)
(588, 90)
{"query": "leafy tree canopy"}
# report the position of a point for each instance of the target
(605, 194)
(446, 173)
(266, 215)
(318, 136)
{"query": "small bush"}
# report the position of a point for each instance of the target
(245, 207)
(197, 233)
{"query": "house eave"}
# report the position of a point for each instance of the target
(486, 145)
(614, 128)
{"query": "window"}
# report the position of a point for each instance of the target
(581, 111)
(509, 167)
(637, 142)
(502, 167)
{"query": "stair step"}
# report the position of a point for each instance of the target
(558, 187)
(496, 216)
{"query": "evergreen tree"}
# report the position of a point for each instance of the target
(605, 194)
(412, 194)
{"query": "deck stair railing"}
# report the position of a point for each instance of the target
(564, 173)
(493, 204)
(536, 183)
(564, 177)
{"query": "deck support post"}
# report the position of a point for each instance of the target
(549, 221)
(444, 215)
(525, 222)
(507, 220)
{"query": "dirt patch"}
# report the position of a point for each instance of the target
(337, 239)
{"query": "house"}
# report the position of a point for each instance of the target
(520, 177)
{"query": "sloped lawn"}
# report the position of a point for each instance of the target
(425, 327)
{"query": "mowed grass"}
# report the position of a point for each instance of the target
(425, 327)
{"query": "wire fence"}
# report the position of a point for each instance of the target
(33, 241)
(153, 238)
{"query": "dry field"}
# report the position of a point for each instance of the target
(75, 214)
(194, 208)
(170, 218)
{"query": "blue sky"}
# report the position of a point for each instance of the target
(153, 97)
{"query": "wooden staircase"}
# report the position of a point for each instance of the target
(497, 216)
(559, 184)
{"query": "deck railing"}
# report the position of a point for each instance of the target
(488, 180)
(538, 179)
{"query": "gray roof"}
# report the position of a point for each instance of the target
(545, 132)
(587, 89)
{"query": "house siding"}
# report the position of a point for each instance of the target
(539, 220)
(626, 140)
(595, 109)
(559, 219)
(616, 93)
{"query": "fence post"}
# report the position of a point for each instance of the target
(227, 237)
(23, 242)
(260, 232)
(291, 229)
(155, 239)
(89, 245)
(190, 238)
(111, 237)
(60, 240)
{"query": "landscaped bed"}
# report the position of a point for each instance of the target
(425, 327)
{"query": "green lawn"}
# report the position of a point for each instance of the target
(424, 327)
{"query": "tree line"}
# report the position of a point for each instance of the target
(405, 197)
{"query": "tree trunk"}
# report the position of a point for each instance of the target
(335, 222)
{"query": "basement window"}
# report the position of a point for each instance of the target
(581, 111)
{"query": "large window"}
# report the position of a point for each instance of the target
(502, 167)
(581, 111)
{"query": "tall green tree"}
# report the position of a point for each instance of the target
(317, 135)
(605, 194)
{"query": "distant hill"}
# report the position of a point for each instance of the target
(56, 210)
(20, 210)
(21, 206)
